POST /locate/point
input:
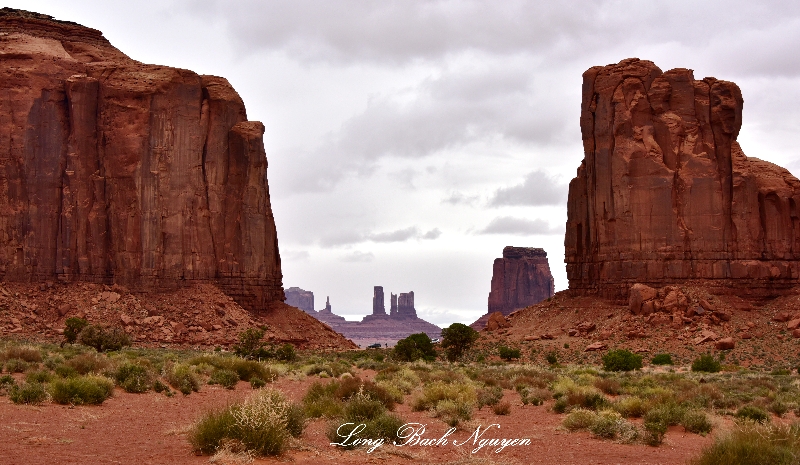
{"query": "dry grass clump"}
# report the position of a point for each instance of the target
(438, 391)
(25, 353)
(261, 424)
(181, 377)
(754, 444)
(605, 424)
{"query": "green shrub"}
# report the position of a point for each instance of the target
(551, 358)
(81, 390)
(160, 387)
(257, 383)
(39, 376)
(320, 401)
(16, 365)
(27, 393)
(489, 396)
(73, 327)
(133, 378)
(669, 414)
(696, 421)
(104, 339)
(508, 354)
(457, 339)
(182, 378)
(433, 393)
(533, 396)
(662, 359)
(621, 360)
(453, 412)
(65, 371)
(26, 353)
(250, 343)
(606, 424)
(579, 419)
(630, 406)
(778, 407)
(225, 378)
(560, 405)
(754, 444)
(654, 432)
(753, 413)
(706, 363)
(414, 347)
(261, 424)
(286, 353)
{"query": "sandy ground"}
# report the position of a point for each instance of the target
(151, 429)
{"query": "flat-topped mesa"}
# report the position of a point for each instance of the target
(299, 298)
(115, 171)
(520, 279)
(665, 194)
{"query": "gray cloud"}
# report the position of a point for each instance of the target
(399, 235)
(519, 227)
(358, 257)
(458, 198)
(432, 234)
(536, 189)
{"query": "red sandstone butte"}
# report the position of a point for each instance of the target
(519, 279)
(115, 171)
(665, 194)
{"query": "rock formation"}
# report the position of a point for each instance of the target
(117, 172)
(378, 305)
(665, 194)
(401, 321)
(327, 316)
(520, 279)
(304, 300)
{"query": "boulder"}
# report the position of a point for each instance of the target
(782, 317)
(796, 333)
(639, 294)
(496, 321)
(793, 324)
(726, 343)
(595, 346)
(705, 336)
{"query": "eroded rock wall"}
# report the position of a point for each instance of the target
(519, 279)
(114, 171)
(665, 194)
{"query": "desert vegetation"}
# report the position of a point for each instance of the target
(624, 399)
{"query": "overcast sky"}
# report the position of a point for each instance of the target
(410, 141)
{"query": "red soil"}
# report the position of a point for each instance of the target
(151, 429)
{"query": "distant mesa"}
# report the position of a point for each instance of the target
(665, 194)
(400, 322)
(304, 300)
(520, 279)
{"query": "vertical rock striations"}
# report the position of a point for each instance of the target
(519, 279)
(114, 171)
(665, 194)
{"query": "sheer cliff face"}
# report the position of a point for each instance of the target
(520, 279)
(665, 194)
(119, 172)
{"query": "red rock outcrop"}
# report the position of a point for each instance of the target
(665, 194)
(118, 172)
(520, 279)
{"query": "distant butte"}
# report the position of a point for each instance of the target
(519, 279)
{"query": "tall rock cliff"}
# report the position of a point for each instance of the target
(115, 171)
(519, 279)
(665, 194)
